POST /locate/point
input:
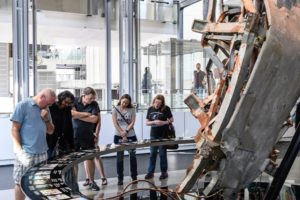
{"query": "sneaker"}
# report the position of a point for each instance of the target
(94, 186)
(120, 182)
(149, 176)
(163, 175)
(87, 182)
(104, 181)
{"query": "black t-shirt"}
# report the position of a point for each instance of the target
(82, 129)
(157, 114)
(198, 78)
(62, 120)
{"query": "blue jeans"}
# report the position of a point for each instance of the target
(162, 155)
(200, 92)
(120, 164)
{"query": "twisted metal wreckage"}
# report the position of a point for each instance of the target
(242, 120)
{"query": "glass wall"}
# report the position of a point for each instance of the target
(71, 51)
(71, 47)
(6, 66)
(158, 24)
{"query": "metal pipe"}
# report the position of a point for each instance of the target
(121, 46)
(180, 37)
(137, 68)
(108, 52)
(130, 47)
(34, 52)
(16, 70)
(25, 48)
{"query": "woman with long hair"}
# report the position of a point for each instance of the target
(123, 116)
(159, 117)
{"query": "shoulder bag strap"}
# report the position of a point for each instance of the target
(121, 114)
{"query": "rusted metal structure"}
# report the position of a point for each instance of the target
(242, 120)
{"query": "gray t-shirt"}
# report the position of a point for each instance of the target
(128, 114)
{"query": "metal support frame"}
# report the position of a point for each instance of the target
(108, 52)
(180, 37)
(137, 53)
(34, 48)
(285, 166)
(130, 46)
(129, 40)
(20, 49)
(186, 3)
(121, 46)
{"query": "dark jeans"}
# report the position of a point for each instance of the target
(162, 155)
(50, 153)
(120, 164)
(120, 158)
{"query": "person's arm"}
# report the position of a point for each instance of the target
(79, 115)
(90, 119)
(170, 120)
(156, 122)
(47, 119)
(97, 130)
(168, 114)
(15, 130)
(121, 131)
(131, 125)
(84, 116)
(149, 122)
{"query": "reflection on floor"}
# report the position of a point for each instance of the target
(178, 162)
(113, 189)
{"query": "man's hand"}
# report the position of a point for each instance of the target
(123, 133)
(124, 139)
(96, 139)
(44, 114)
(23, 157)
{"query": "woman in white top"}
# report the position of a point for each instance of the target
(123, 116)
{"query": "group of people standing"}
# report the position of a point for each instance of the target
(45, 126)
(159, 117)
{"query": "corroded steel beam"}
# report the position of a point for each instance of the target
(262, 78)
(201, 26)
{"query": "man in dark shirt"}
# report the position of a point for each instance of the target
(60, 111)
(61, 141)
(85, 117)
(199, 81)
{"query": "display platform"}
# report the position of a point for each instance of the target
(46, 180)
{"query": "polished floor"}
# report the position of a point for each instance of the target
(178, 162)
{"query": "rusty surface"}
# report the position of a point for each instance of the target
(219, 27)
(262, 85)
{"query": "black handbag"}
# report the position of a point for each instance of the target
(171, 135)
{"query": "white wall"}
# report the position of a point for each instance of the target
(6, 145)
(185, 124)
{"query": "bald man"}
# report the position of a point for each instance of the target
(31, 121)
